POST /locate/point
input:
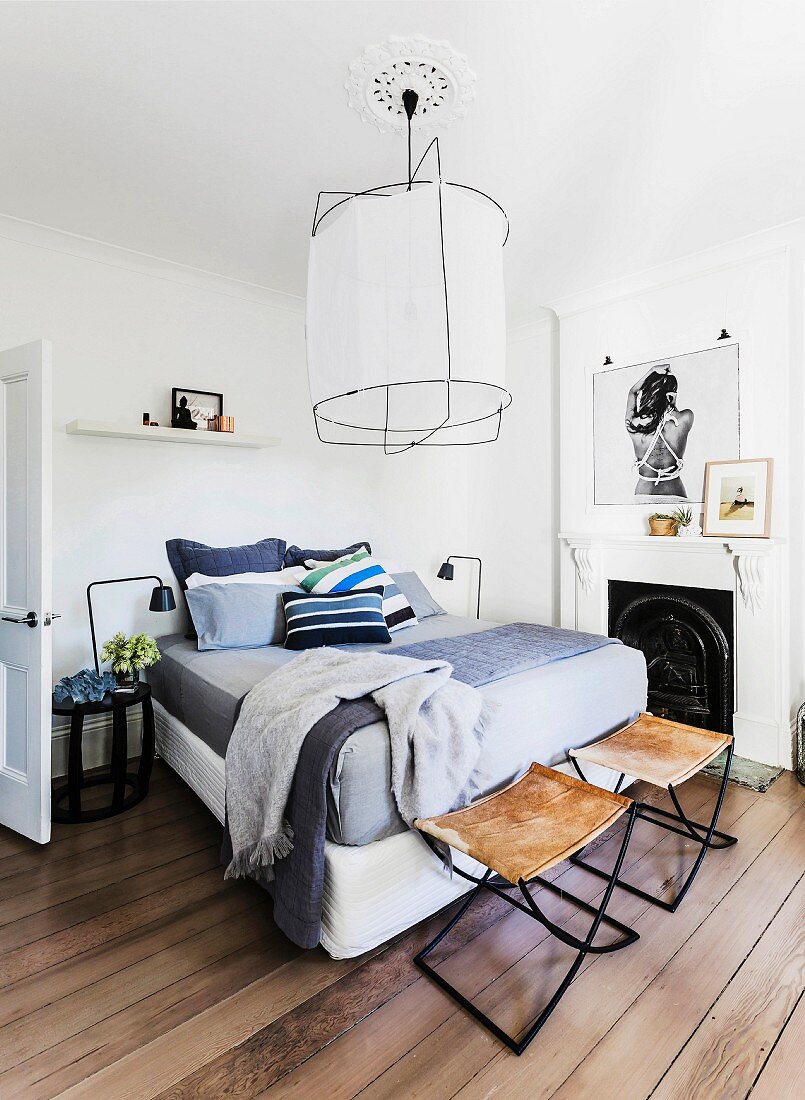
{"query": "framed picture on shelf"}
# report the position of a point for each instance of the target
(194, 409)
(737, 498)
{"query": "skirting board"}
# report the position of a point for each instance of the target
(96, 742)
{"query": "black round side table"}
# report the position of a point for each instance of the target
(117, 703)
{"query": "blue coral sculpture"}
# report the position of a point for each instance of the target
(87, 686)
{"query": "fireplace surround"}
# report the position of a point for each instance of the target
(752, 572)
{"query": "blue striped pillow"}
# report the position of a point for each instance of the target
(344, 618)
(359, 572)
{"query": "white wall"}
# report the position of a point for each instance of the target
(121, 340)
(124, 330)
(424, 494)
(513, 487)
(753, 287)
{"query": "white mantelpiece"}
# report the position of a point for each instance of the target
(752, 569)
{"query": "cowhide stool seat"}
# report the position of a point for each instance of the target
(664, 754)
(519, 833)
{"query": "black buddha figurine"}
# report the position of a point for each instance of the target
(182, 417)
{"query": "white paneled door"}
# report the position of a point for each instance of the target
(25, 588)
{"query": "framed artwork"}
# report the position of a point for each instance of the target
(738, 498)
(656, 424)
(194, 408)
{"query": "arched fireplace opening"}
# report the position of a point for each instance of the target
(686, 636)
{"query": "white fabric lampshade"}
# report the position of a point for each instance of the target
(381, 294)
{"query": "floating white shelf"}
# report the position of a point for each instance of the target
(122, 430)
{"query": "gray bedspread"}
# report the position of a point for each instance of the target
(480, 659)
(204, 690)
(434, 721)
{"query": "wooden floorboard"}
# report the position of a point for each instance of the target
(733, 1036)
(417, 1014)
(64, 847)
(259, 1052)
(780, 1077)
(674, 1004)
(516, 995)
(129, 968)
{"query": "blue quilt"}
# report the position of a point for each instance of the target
(480, 659)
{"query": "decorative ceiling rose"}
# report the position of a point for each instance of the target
(440, 76)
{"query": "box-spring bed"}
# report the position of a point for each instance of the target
(380, 878)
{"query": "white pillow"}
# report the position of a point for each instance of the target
(281, 576)
(392, 566)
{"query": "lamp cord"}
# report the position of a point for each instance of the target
(409, 100)
(409, 152)
(463, 557)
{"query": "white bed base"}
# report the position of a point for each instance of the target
(371, 892)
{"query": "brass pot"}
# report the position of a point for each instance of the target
(661, 526)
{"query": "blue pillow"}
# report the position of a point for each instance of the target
(294, 555)
(411, 586)
(188, 557)
(343, 618)
(238, 616)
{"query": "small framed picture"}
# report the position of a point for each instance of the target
(195, 409)
(737, 498)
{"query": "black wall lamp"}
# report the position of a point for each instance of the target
(446, 572)
(161, 600)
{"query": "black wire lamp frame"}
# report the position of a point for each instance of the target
(162, 599)
(321, 414)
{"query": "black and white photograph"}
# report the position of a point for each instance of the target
(655, 425)
(195, 409)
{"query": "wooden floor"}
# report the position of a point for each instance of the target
(128, 968)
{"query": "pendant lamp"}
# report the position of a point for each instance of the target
(406, 333)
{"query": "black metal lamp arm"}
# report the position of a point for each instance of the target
(462, 557)
(114, 580)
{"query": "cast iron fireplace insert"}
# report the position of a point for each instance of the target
(686, 636)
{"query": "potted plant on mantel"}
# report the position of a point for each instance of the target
(661, 524)
(685, 527)
(128, 656)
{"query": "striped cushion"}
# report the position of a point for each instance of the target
(359, 571)
(345, 618)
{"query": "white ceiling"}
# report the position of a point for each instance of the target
(617, 134)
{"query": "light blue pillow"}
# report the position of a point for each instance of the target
(411, 586)
(238, 616)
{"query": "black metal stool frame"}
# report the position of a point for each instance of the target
(647, 812)
(584, 947)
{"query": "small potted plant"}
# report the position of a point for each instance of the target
(685, 527)
(661, 524)
(128, 655)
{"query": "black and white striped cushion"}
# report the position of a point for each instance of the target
(345, 618)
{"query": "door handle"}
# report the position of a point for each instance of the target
(29, 620)
(49, 617)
